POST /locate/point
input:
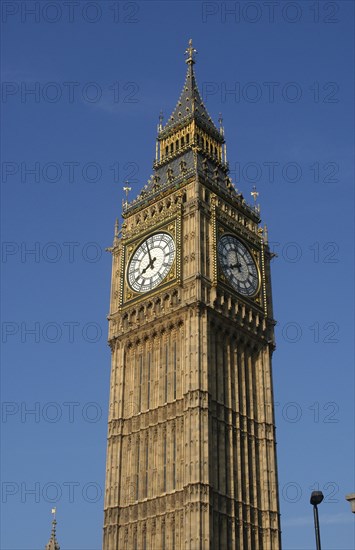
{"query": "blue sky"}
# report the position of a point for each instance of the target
(101, 72)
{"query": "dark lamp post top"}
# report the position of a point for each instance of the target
(316, 497)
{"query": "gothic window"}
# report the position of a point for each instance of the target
(140, 360)
(187, 138)
(166, 372)
(163, 542)
(137, 468)
(148, 382)
(174, 459)
(218, 458)
(164, 461)
(174, 371)
(146, 467)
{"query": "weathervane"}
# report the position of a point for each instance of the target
(190, 52)
(126, 189)
(254, 193)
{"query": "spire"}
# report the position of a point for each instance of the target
(190, 105)
(161, 118)
(221, 127)
(188, 146)
(53, 543)
(116, 232)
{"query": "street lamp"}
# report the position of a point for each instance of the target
(316, 498)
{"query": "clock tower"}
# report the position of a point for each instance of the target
(191, 458)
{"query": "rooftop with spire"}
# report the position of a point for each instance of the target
(189, 146)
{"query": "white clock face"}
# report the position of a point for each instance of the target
(151, 262)
(238, 265)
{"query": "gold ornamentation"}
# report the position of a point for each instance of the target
(171, 226)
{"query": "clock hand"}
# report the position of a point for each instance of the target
(149, 255)
(236, 255)
(237, 265)
(150, 265)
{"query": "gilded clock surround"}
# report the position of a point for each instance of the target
(171, 226)
(191, 457)
(256, 255)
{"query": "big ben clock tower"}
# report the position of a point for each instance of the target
(191, 459)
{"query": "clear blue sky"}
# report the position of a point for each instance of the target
(101, 73)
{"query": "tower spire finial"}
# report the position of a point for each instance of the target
(161, 118)
(126, 189)
(190, 52)
(220, 120)
(254, 193)
(53, 543)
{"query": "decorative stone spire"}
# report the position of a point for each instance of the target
(115, 237)
(53, 543)
(190, 105)
(189, 145)
(221, 127)
(161, 118)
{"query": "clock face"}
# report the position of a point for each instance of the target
(151, 262)
(238, 265)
